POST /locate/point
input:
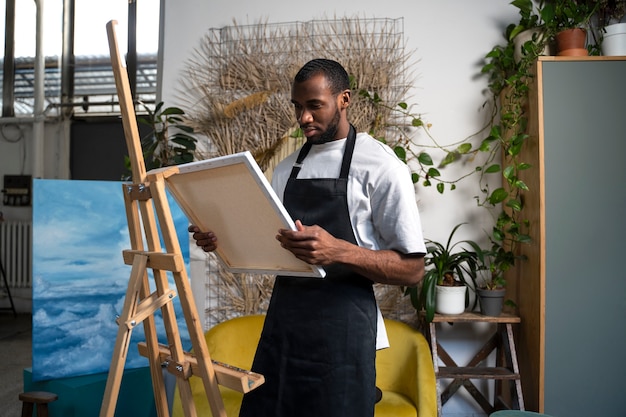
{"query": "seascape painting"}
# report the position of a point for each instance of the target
(80, 279)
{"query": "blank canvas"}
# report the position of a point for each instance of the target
(230, 196)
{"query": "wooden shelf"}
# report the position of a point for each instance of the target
(471, 317)
(468, 372)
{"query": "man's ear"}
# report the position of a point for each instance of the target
(344, 99)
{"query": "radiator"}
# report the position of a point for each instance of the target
(16, 253)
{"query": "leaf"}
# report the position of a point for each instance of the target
(433, 172)
(514, 204)
(425, 159)
(521, 185)
(464, 148)
(440, 187)
(450, 157)
(498, 196)
(400, 153)
(508, 172)
(417, 122)
(493, 169)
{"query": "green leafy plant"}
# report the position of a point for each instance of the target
(560, 15)
(160, 146)
(449, 264)
(509, 83)
(397, 134)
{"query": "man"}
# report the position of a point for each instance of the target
(354, 207)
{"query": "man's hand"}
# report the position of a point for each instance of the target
(311, 244)
(205, 240)
(314, 245)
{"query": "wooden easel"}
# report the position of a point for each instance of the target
(144, 198)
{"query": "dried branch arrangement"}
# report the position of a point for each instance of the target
(237, 86)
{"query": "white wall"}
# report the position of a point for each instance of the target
(450, 39)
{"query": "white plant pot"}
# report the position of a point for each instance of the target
(524, 37)
(450, 300)
(614, 43)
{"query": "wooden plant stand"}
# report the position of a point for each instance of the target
(506, 368)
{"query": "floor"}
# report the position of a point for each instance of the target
(16, 354)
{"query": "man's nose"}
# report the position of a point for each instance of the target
(305, 116)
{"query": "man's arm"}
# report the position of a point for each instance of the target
(316, 246)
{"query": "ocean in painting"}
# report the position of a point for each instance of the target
(80, 279)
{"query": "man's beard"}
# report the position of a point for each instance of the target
(330, 132)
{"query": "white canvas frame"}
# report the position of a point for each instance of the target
(230, 196)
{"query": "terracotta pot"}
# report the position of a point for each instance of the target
(572, 42)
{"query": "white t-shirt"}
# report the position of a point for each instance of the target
(381, 196)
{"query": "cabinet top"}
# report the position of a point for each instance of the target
(581, 58)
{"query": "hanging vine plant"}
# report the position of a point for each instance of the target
(509, 83)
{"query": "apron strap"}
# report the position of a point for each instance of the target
(345, 164)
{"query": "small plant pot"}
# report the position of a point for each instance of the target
(491, 301)
(572, 42)
(614, 42)
(526, 36)
(450, 300)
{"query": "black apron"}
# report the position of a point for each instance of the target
(318, 346)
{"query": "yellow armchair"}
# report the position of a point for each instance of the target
(404, 371)
(405, 374)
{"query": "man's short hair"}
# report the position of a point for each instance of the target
(333, 71)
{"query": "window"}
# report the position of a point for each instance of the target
(93, 83)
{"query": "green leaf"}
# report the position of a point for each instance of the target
(521, 185)
(514, 204)
(493, 168)
(172, 110)
(415, 177)
(400, 153)
(425, 159)
(508, 172)
(433, 172)
(440, 187)
(450, 157)
(464, 148)
(417, 122)
(498, 196)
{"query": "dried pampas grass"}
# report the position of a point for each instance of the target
(237, 85)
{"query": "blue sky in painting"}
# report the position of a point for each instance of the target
(80, 279)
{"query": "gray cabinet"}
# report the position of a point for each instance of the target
(571, 292)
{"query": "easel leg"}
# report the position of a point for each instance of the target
(124, 333)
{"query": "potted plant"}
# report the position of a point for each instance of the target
(529, 31)
(448, 267)
(162, 147)
(567, 21)
(491, 285)
(611, 32)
